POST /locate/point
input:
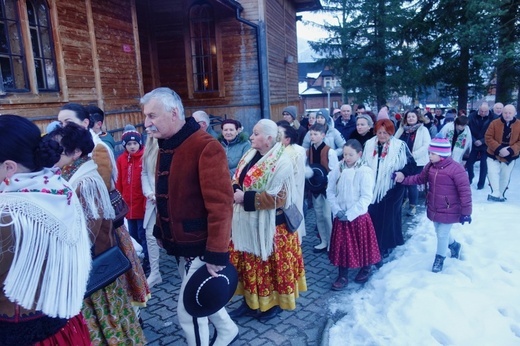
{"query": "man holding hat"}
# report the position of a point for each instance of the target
(289, 115)
(194, 211)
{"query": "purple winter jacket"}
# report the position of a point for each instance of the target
(449, 192)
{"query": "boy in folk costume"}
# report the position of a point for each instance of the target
(321, 154)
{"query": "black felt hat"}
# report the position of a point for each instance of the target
(204, 294)
(318, 181)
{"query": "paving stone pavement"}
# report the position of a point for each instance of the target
(308, 324)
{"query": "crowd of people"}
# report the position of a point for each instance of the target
(224, 204)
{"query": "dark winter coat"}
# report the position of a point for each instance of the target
(347, 129)
(362, 138)
(449, 192)
(478, 126)
(129, 168)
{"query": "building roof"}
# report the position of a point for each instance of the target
(304, 68)
(307, 5)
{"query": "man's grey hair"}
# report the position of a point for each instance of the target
(202, 116)
(169, 99)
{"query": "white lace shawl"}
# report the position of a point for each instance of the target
(93, 190)
(253, 231)
(394, 161)
(51, 246)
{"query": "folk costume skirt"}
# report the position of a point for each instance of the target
(75, 332)
(110, 317)
(134, 279)
(353, 243)
(277, 281)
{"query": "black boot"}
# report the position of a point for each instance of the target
(455, 249)
(438, 263)
(243, 310)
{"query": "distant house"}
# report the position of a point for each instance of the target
(230, 58)
(323, 88)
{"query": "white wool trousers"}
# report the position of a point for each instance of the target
(499, 175)
(323, 217)
(444, 237)
(197, 329)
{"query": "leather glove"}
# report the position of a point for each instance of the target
(465, 218)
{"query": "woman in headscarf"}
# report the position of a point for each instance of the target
(386, 155)
(44, 243)
(267, 256)
(111, 303)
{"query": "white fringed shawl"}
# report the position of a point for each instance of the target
(93, 190)
(394, 160)
(253, 231)
(51, 246)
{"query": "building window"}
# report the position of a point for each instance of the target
(15, 59)
(203, 48)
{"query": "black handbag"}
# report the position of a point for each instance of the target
(106, 268)
(293, 217)
(120, 207)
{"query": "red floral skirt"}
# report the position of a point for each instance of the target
(353, 244)
(276, 281)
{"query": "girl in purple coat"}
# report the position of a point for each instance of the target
(448, 196)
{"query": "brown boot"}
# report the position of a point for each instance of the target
(342, 281)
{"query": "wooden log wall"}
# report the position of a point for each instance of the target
(97, 51)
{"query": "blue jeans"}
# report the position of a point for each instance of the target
(138, 232)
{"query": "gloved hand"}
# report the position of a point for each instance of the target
(465, 218)
(342, 216)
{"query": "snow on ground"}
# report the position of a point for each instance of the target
(473, 301)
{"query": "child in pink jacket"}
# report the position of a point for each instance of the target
(448, 196)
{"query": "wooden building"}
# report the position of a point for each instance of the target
(229, 58)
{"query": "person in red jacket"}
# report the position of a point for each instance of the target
(448, 196)
(129, 168)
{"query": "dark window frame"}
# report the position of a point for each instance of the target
(204, 49)
(38, 55)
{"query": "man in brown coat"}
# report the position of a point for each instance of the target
(194, 204)
(503, 148)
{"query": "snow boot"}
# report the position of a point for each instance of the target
(438, 263)
(455, 249)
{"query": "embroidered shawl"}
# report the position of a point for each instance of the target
(51, 246)
(254, 231)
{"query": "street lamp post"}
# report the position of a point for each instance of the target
(328, 88)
